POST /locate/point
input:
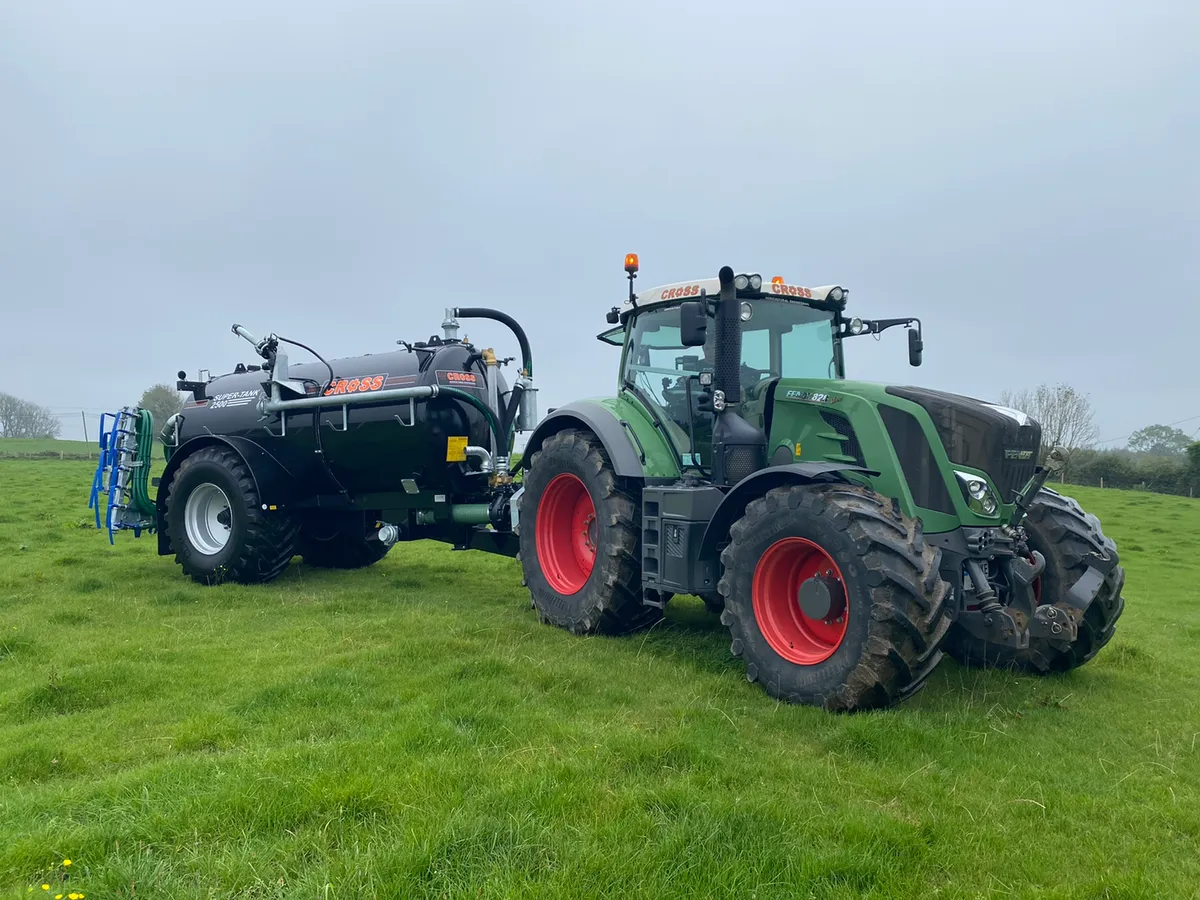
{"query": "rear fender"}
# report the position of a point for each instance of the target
(273, 483)
(594, 418)
(757, 484)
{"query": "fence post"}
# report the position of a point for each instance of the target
(1101, 481)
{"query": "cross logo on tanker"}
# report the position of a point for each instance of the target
(356, 385)
(458, 378)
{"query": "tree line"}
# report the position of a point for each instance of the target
(1160, 458)
(23, 419)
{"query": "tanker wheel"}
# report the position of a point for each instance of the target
(1059, 529)
(832, 596)
(579, 539)
(340, 541)
(217, 526)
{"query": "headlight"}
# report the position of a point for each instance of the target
(747, 312)
(836, 294)
(755, 282)
(979, 496)
(856, 325)
(741, 282)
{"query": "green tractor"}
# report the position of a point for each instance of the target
(847, 533)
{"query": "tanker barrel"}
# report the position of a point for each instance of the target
(482, 312)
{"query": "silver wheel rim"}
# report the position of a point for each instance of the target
(207, 529)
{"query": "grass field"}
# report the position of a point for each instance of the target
(410, 730)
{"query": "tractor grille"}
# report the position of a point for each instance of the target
(850, 444)
(742, 461)
(981, 436)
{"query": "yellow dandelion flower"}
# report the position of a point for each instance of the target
(58, 897)
(66, 862)
(45, 887)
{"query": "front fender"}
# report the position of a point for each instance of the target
(273, 483)
(595, 418)
(757, 484)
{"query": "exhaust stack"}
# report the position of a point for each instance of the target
(739, 448)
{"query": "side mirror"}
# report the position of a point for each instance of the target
(915, 347)
(693, 323)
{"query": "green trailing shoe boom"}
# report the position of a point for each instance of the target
(847, 533)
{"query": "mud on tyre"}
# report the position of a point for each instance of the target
(1059, 529)
(579, 533)
(216, 524)
(833, 598)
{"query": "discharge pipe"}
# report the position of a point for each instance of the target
(482, 312)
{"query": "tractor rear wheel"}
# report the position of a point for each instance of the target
(217, 526)
(579, 539)
(1059, 529)
(832, 596)
(340, 541)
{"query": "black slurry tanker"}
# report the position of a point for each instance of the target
(846, 533)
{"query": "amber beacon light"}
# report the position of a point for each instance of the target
(631, 263)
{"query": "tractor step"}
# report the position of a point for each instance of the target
(125, 449)
(674, 519)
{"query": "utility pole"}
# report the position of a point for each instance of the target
(83, 416)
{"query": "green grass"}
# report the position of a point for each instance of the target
(410, 730)
(47, 447)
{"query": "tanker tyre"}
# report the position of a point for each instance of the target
(579, 547)
(1059, 529)
(833, 597)
(217, 526)
(337, 542)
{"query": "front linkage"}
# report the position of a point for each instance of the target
(1013, 624)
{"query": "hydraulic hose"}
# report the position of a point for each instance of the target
(482, 312)
(139, 481)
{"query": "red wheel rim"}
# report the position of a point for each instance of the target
(792, 634)
(566, 534)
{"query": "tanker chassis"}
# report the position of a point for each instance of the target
(846, 533)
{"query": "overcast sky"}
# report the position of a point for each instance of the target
(1022, 176)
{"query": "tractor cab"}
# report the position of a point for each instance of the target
(669, 361)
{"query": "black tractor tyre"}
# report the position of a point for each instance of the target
(575, 513)
(339, 541)
(257, 544)
(897, 610)
(1059, 529)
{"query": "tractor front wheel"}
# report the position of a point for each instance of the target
(832, 596)
(579, 539)
(217, 526)
(1059, 529)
